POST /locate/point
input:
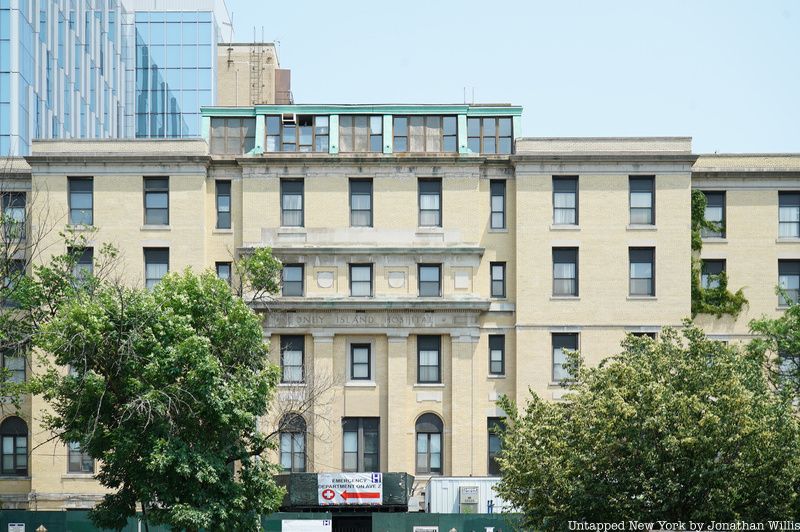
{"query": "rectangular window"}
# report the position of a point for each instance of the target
(494, 428)
(292, 280)
(715, 213)
(292, 356)
(84, 263)
(14, 363)
(301, 133)
(562, 342)
(642, 271)
(418, 134)
(711, 270)
(223, 189)
(361, 202)
(361, 444)
(429, 359)
(789, 281)
(361, 133)
(14, 215)
(224, 271)
(232, 136)
(273, 127)
(497, 354)
(81, 200)
(156, 265)
(15, 270)
(292, 203)
(79, 461)
(360, 362)
(642, 200)
(789, 214)
(361, 280)
(565, 200)
(489, 135)
(498, 204)
(156, 201)
(565, 272)
(430, 202)
(498, 279)
(430, 280)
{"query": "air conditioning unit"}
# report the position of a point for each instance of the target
(289, 119)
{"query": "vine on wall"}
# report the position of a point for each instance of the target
(717, 300)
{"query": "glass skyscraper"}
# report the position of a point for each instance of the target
(175, 54)
(105, 68)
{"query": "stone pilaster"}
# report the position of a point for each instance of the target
(463, 409)
(399, 443)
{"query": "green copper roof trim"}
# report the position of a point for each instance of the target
(383, 109)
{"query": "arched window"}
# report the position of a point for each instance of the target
(13, 447)
(429, 430)
(293, 443)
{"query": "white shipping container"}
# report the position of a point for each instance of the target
(442, 495)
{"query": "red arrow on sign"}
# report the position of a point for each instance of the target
(362, 495)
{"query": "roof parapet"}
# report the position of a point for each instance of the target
(604, 145)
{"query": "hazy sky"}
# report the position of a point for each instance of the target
(726, 72)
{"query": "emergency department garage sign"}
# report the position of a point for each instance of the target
(350, 488)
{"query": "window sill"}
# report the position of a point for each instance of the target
(560, 384)
(291, 385)
(156, 228)
(564, 227)
(642, 298)
(714, 240)
(14, 477)
(496, 377)
(787, 240)
(782, 307)
(428, 385)
(641, 227)
(499, 230)
(80, 227)
(216, 231)
(360, 384)
(291, 229)
(430, 230)
(79, 476)
(565, 298)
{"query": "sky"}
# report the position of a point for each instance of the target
(725, 72)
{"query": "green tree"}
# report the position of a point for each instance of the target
(778, 341)
(32, 292)
(675, 429)
(166, 392)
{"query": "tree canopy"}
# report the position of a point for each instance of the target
(165, 389)
(682, 428)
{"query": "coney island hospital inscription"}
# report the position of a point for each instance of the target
(370, 319)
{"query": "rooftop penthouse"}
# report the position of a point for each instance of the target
(388, 129)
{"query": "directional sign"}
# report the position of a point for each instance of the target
(350, 488)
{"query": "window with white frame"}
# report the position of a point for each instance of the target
(292, 358)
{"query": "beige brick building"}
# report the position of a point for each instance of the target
(432, 263)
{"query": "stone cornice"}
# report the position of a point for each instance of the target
(372, 250)
(374, 304)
